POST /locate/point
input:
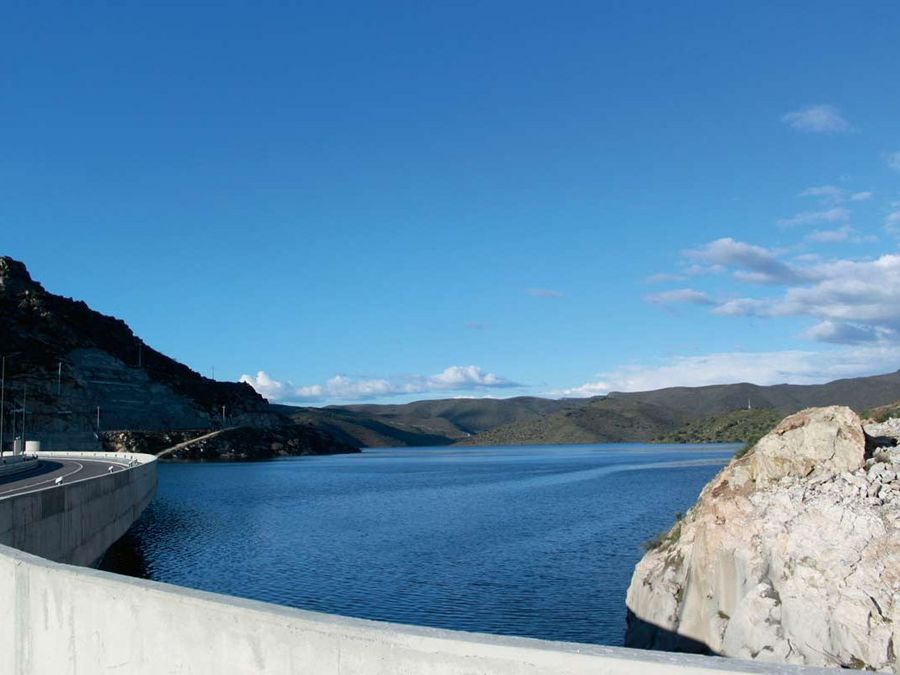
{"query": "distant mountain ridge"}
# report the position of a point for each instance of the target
(654, 415)
(674, 414)
(73, 360)
(424, 423)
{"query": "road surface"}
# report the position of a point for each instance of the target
(48, 470)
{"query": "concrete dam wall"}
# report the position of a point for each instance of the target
(64, 619)
(77, 521)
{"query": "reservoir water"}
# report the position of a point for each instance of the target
(538, 541)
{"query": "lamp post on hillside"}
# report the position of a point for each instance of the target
(2, 402)
(3, 398)
(24, 403)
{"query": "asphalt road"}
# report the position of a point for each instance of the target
(48, 470)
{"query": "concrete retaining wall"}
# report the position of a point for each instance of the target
(61, 619)
(76, 522)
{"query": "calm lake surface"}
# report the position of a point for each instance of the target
(534, 541)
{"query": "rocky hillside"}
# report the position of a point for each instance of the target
(791, 553)
(688, 413)
(65, 361)
(238, 443)
(729, 427)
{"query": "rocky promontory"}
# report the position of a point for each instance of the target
(791, 553)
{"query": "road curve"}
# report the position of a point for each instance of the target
(50, 469)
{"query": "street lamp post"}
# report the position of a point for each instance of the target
(2, 401)
(24, 403)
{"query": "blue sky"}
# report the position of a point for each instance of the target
(391, 201)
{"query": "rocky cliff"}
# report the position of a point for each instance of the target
(791, 554)
(71, 367)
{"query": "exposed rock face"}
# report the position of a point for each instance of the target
(81, 371)
(241, 443)
(73, 360)
(792, 553)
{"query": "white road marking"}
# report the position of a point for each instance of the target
(31, 486)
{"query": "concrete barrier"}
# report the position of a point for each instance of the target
(62, 619)
(76, 522)
(13, 464)
(59, 619)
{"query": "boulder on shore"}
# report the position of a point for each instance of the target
(791, 553)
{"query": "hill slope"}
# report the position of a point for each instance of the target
(688, 413)
(437, 422)
(70, 364)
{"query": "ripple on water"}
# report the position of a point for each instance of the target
(528, 541)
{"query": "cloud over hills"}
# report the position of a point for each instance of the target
(763, 368)
(341, 387)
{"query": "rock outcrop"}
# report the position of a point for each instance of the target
(791, 554)
(239, 443)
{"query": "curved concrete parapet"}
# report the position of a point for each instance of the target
(11, 465)
(62, 619)
(78, 520)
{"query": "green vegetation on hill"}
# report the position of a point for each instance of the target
(692, 414)
(421, 423)
(883, 412)
(737, 426)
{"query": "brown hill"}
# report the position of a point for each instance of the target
(66, 364)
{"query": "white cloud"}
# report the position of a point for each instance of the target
(825, 236)
(266, 386)
(843, 233)
(459, 377)
(696, 270)
(863, 292)
(851, 299)
(820, 119)
(834, 215)
(744, 307)
(664, 278)
(892, 222)
(341, 387)
(680, 295)
(585, 390)
(846, 333)
(755, 264)
(763, 368)
(829, 194)
(543, 293)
